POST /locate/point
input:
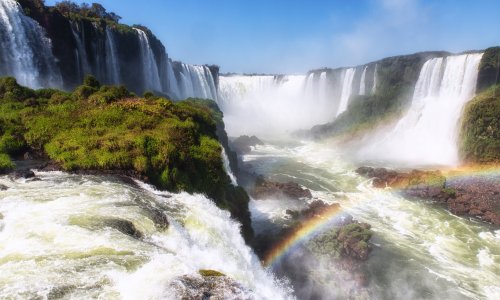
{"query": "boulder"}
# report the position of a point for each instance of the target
(243, 144)
(267, 189)
(209, 287)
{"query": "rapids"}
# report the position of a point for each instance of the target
(421, 250)
(69, 236)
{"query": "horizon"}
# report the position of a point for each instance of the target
(293, 38)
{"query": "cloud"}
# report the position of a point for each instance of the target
(391, 27)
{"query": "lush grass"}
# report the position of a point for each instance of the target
(174, 145)
(480, 130)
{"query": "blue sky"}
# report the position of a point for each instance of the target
(293, 36)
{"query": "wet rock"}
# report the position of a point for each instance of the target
(17, 174)
(243, 144)
(264, 189)
(3, 187)
(209, 287)
(124, 226)
(389, 178)
(467, 195)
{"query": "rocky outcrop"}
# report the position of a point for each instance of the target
(389, 178)
(243, 144)
(208, 286)
(264, 189)
(470, 195)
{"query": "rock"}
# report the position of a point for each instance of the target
(389, 178)
(124, 226)
(467, 195)
(244, 143)
(22, 174)
(209, 287)
(3, 187)
(267, 189)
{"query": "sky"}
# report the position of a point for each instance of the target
(294, 36)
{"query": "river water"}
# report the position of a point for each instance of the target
(421, 250)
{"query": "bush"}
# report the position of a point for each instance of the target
(5, 163)
(480, 130)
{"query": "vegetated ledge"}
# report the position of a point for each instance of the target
(480, 129)
(108, 130)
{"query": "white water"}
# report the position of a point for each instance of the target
(362, 83)
(375, 80)
(227, 167)
(149, 66)
(53, 241)
(112, 63)
(81, 53)
(195, 81)
(26, 53)
(347, 78)
(427, 134)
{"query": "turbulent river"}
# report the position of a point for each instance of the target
(69, 236)
(421, 250)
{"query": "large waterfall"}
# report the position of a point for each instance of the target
(272, 105)
(25, 52)
(112, 63)
(427, 133)
(195, 81)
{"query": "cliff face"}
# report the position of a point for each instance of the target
(117, 54)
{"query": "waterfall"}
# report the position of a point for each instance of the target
(362, 84)
(173, 85)
(227, 167)
(149, 65)
(375, 79)
(427, 133)
(322, 87)
(26, 52)
(347, 78)
(97, 237)
(83, 66)
(274, 105)
(196, 81)
(112, 63)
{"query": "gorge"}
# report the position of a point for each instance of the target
(147, 197)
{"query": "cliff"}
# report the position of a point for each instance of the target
(91, 41)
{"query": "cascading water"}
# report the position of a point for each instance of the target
(362, 83)
(227, 167)
(26, 52)
(375, 79)
(81, 237)
(149, 66)
(196, 81)
(112, 64)
(427, 134)
(347, 78)
(80, 51)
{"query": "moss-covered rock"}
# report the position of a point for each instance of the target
(489, 69)
(174, 146)
(480, 129)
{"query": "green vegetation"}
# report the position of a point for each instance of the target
(210, 273)
(480, 132)
(173, 145)
(489, 69)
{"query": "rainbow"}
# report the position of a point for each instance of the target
(306, 230)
